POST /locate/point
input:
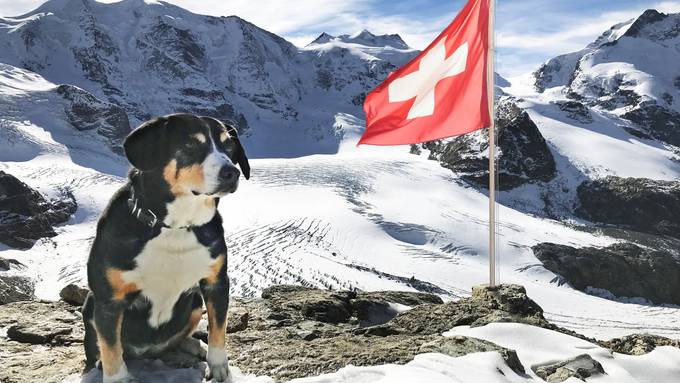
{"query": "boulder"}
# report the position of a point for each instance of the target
(320, 305)
(638, 344)
(74, 294)
(579, 367)
(25, 215)
(503, 303)
(624, 269)
(524, 155)
(651, 206)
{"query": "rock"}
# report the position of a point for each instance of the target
(23, 362)
(624, 269)
(25, 215)
(638, 344)
(292, 332)
(74, 294)
(503, 303)
(237, 320)
(320, 305)
(375, 308)
(524, 154)
(656, 121)
(84, 111)
(580, 367)
(6, 264)
(14, 288)
(55, 323)
(652, 206)
(576, 111)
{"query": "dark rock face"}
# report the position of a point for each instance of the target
(624, 269)
(26, 216)
(658, 122)
(524, 154)
(74, 294)
(650, 206)
(86, 112)
(638, 344)
(580, 367)
(576, 111)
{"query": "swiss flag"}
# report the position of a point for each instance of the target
(442, 92)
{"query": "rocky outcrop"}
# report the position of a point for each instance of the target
(638, 344)
(576, 111)
(624, 269)
(14, 288)
(524, 156)
(25, 215)
(579, 367)
(650, 206)
(291, 332)
(656, 121)
(85, 112)
(505, 303)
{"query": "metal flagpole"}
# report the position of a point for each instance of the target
(492, 145)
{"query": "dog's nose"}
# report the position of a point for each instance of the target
(229, 174)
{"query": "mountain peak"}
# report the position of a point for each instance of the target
(364, 37)
(323, 38)
(648, 17)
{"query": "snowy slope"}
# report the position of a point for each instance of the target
(317, 210)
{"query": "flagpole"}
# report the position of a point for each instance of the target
(492, 145)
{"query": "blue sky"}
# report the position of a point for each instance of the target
(528, 31)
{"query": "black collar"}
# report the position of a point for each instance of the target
(146, 216)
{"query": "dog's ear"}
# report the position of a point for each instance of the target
(145, 146)
(239, 151)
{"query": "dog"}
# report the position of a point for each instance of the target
(159, 252)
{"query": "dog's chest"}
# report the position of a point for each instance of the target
(168, 265)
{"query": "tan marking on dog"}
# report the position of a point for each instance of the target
(120, 288)
(224, 136)
(193, 321)
(216, 334)
(215, 269)
(200, 137)
(182, 180)
(111, 355)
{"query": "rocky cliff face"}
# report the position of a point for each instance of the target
(524, 156)
(637, 203)
(624, 269)
(25, 215)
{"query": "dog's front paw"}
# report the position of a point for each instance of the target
(219, 365)
(121, 377)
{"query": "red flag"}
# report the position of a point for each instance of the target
(442, 92)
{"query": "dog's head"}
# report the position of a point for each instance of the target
(196, 155)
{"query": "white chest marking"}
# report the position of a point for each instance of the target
(168, 265)
(188, 210)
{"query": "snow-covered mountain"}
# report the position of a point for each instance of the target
(154, 58)
(76, 75)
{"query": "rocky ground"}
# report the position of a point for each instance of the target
(295, 331)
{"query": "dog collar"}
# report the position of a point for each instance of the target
(146, 216)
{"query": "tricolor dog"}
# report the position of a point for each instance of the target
(159, 252)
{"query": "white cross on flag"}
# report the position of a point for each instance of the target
(443, 92)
